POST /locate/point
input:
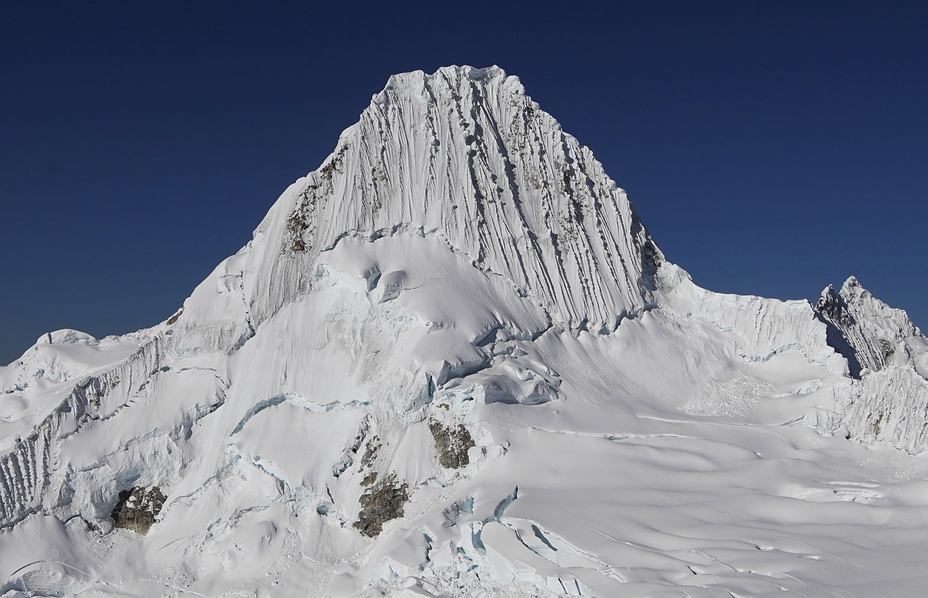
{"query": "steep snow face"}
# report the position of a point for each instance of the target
(463, 155)
(879, 335)
(890, 356)
(451, 362)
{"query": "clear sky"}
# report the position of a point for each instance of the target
(771, 148)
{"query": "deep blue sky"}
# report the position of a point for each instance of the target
(771, 147)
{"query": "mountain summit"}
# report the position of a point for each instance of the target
(452, 362)
(465, 157)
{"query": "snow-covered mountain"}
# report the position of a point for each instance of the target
(453, 362)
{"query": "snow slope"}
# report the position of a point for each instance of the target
(452, 362)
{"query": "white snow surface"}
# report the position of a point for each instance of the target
(460, 267)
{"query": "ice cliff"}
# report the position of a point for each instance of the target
(453, 362)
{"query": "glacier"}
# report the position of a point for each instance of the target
(453, 362)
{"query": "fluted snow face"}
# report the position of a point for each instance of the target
(889, 406)
(881, 336)
(890, 355)
(464, 154)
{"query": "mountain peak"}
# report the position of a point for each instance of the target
(871, 334)
(852, 286)
(464, 155)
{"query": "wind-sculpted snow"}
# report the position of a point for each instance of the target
(761, 328)
(451, 362)
(890, 405)
(465, 155)
(880, 335)
(890, 356)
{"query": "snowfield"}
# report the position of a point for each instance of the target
(452, 362)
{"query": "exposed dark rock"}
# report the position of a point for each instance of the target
(452, 445)
(301, 223)
(651, 255)
(878, 424)
(832, 310)
(370, 453)
(137, 508)
(651, 261)
(297, 224)
(175, 317)
(833, 306)
(380, 504)
(886, 349)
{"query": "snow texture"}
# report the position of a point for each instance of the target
(452, 362)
